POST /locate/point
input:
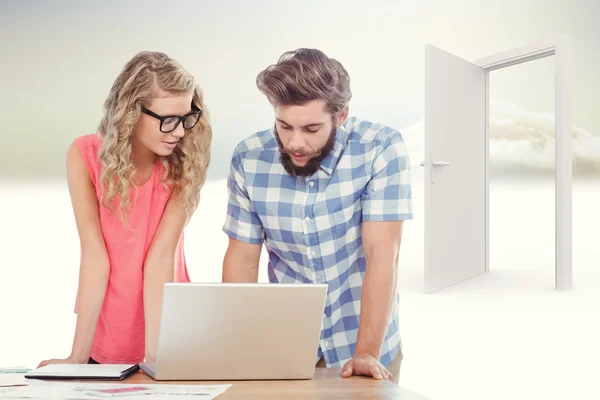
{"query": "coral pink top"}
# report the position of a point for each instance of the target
(120, 335)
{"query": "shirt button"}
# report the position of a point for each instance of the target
(311, 183)
(307, 218)
(314, 252)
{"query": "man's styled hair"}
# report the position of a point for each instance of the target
(304, 75)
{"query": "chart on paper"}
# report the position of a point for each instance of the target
(81, 391)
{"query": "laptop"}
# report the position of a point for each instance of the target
(238, 331)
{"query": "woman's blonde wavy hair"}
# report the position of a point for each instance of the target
(142, 78)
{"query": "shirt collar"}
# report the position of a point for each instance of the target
(330, 161)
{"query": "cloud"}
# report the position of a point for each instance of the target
(522, 143)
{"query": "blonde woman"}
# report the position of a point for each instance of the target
(134, 186)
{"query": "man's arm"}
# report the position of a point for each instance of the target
(241, 262)
(387, 202)
(244, 228)
(381, 242)
(159, 268)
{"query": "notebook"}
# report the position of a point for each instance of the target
(115, 372)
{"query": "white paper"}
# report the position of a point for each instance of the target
(17, 379)
(84, 391)
(16, 369)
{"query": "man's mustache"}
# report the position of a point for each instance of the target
(301, 153)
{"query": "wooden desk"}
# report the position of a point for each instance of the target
(327, 384)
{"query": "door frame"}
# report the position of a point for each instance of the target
(559, 47)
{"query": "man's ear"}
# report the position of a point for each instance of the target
(342, 117)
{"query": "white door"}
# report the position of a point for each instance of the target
(455, 169)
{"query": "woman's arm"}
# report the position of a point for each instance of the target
(159, 268)
(94, 265)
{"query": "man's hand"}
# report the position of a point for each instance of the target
(366, 365)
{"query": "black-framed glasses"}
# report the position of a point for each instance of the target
(168, 123)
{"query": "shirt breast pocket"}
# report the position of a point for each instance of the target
(347, 227)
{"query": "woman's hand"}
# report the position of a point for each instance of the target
(68, 360)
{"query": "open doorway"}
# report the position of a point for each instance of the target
(521, 174)
(456, 163)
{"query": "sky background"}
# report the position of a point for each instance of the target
(59, 60)
(505, 334)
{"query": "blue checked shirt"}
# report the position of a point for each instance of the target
(311, 227)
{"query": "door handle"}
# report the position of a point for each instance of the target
(435, 164)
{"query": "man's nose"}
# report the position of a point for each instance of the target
(296, 142)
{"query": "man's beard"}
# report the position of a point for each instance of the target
(314, 162)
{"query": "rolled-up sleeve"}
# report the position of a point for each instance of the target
(242, 222)
(388, 195)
